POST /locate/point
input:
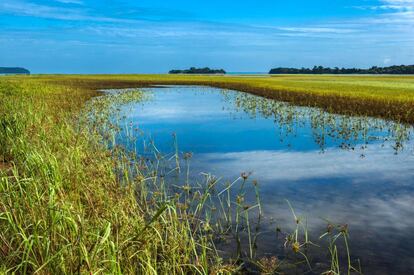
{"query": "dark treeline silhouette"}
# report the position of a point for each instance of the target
(15, 70)
(194, 70)
(401, 69)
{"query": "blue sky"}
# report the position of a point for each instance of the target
(127, 36)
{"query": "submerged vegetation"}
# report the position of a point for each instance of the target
(346, 131)
(74, 201)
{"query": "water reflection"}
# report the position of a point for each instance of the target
(327, 128)
(349, 170)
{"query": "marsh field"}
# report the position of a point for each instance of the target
(154, 174)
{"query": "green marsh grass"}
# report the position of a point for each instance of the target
(63, 209)
(390, 97)
(74, 201)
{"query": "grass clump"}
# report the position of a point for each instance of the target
(62, 208)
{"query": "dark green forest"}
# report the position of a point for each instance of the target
(13, 70)
(194, 70)
(397, 69)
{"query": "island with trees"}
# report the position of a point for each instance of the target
(397, 69)
(194, 70)
(13, 70)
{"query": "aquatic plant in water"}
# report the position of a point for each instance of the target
(216, 209)
(346, 131)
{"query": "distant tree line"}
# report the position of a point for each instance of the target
(401, 69)
(13, 70)
(194, 70)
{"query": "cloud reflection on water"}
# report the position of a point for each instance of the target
(371, 189)
(373, 195)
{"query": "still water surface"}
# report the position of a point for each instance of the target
(348, 170)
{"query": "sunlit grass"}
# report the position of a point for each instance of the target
(63, 208)
(69, 204)
(390, 97)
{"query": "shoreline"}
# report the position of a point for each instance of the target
(347, 95)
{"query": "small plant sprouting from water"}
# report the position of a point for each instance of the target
(221, 214)
(335, 233)
(346, 131)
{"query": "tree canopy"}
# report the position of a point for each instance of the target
(194, 70)
(397, 69)
(13, 70)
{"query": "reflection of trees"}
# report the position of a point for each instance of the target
(347, 132)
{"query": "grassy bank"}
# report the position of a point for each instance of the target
(68, 204)
(63, 208)
(390, 97)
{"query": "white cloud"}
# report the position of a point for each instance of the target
(387, 61)
(77, 2)
(403, 5)
(318, 30)
(391, 12)
(396, 5)
(390, 31)
(22, 8)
